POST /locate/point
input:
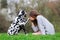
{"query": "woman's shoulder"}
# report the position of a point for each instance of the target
(39, 16)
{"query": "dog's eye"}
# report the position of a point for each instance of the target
(20, 19)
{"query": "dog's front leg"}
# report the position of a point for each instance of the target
(23, 27)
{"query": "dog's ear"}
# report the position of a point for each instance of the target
(23, 12)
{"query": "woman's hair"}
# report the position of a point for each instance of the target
(34, 14)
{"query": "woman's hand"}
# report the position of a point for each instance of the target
(37, 33)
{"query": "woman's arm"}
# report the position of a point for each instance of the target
(35, 29)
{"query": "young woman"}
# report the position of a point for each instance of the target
(40, 24)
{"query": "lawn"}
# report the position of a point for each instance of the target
(4, 36)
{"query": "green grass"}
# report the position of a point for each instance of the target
(4, 36)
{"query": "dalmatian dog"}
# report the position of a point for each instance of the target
(18, 24)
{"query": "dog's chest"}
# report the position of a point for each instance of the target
(21, 20)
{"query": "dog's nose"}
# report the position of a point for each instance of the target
(25, 16)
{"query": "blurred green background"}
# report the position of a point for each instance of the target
(48, 8)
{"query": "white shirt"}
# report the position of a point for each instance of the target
(44, 25)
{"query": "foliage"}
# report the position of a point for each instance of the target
(51, 10)
(4, 3)
(3, 24)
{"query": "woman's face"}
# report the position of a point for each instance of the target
(31, 18)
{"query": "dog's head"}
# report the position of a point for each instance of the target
(22, 13)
